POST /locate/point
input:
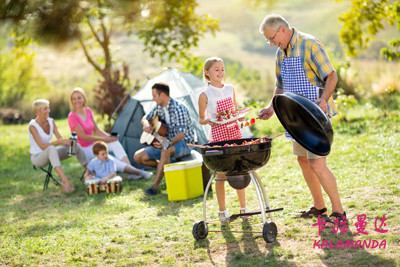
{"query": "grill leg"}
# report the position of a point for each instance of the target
(260, 200)
(205, 199)
(260, 184)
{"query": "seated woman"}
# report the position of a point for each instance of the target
(43, 151)
(81, 121)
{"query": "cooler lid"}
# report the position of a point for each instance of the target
(182, 165)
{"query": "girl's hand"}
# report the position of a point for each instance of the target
(242, 119)
(208, 120)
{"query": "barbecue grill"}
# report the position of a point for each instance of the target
(239, 163)
(306, 123)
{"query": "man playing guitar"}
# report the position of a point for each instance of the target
(173, 145)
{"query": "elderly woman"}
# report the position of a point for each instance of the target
(81, 121)
(43, 150)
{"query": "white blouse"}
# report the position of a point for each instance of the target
(46, 138)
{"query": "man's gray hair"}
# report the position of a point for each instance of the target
(273, 21)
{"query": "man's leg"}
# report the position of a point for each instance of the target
(142, 158)
(328, 182)
(164, 159)
(312, 181)
(308, 174)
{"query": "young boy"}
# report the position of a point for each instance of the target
(101, 167)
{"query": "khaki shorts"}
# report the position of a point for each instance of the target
(298, 150)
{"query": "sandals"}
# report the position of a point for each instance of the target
(223, 216)
(335, 218)
(68, 189)
(312, 212)
(244, 210)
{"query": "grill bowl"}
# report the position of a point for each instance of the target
(239, 181)
(236, 160)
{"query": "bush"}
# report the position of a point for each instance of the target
(59, 105)
(19, 80)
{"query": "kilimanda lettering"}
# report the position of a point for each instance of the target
(349, 244)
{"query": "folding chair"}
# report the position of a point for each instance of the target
(83, 175)
(48, 176)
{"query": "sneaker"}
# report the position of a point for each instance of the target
(145, 174)
(151, 191)
(134, 176)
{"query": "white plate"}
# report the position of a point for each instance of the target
(241, 112)
(229, 120)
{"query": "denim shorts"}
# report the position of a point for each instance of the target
(181, 150)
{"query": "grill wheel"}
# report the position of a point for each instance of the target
(199, 230)
(270, 231)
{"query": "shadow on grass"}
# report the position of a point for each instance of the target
(251, 254)
(350, 256)
(53, 201)
(166, 207)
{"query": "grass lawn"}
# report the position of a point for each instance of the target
(129, 229)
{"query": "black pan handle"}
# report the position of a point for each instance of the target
(214, 152)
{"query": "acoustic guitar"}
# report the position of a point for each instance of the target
(159, 130)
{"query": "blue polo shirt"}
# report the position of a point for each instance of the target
(102, 168)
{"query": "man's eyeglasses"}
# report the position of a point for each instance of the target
(270, 41)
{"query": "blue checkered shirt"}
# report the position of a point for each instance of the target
(180, 121)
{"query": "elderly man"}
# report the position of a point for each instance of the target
(179, 134)
(303, 67)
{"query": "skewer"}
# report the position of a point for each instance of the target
(276, 136)
(268, 137)
(247, 123)
(199, 146)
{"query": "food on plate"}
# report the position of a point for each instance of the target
(231, 115)
(226, 115)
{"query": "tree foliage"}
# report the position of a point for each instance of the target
(169, 28)
(19, 80)
(364, 20)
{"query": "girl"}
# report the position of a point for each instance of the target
(219, 97)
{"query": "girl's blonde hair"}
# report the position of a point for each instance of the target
(39, 103)
(79, 90)
(208, 64)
